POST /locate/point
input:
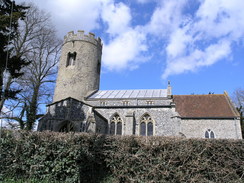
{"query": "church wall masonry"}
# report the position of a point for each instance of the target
(222, 128)
(164, 125)
(61, 112)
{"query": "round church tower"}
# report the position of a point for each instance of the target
(79, 66)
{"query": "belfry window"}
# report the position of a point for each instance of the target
(146, 125)
(71, 57)
(99, 67)
(209, 134)
(116, 125)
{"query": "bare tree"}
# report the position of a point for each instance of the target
(36, 42)
(238, 99)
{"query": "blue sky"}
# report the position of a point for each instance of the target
(196, 44)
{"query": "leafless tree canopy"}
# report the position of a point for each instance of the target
(238, 98)
(37, 42)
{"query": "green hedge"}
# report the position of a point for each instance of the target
(79, 157)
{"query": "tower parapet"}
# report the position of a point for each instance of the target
(79, 66)
(81, 36)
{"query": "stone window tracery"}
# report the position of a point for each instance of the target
(146, 126)
(209, 134)
(71, 57)
(116, 125)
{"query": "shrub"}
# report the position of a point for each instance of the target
(80, 157)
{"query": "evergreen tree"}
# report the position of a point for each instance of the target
(9, 61)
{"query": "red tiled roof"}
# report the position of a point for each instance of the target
(205, 106)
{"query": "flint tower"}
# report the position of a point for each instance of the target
(79, 66)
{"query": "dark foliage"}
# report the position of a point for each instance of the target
(15, 62)
(95, 158)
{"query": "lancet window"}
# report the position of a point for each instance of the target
(146, 125)
(71, 57)
(209, 134)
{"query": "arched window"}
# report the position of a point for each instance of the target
(116, 125)
(149, 128)
(209, 134)
(212, 135)
(146, 125)
(119, 128)
(71, 57)
(143, 129)
(112, 128)
(67, 127)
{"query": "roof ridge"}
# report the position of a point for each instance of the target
(132, 89)
(199, 95)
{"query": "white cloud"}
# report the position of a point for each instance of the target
(206, 38)
(166, 17)
(190, 41)
(198, 58)
(220, 18)
(117, 16)
(177, 44)
(81, 14)
(124, 51)
(71, 15)
(144, 1)
(126, 42)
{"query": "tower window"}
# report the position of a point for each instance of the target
(98, 67)
(71, 57)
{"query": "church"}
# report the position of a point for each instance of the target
(78, 104)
